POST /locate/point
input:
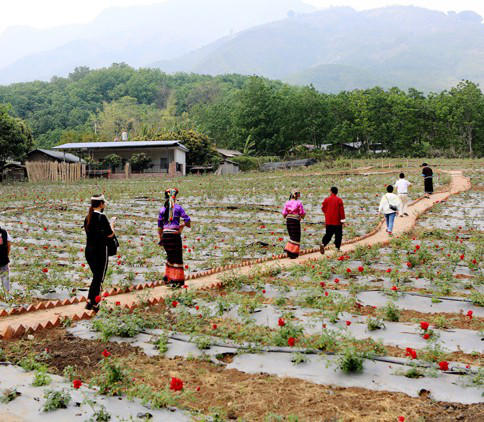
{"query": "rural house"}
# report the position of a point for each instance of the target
(166, 156)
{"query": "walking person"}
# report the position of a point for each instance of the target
(98, 231)
(5, 247)
(293, 212)
(428, 176)
(402, 186)
(169, 232)
(390, 204)
(334, 214)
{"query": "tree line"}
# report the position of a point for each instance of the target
(248, 113)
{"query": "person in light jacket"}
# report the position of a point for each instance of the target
(390, 205)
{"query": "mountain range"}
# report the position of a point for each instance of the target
(137, 35)
(342, 49)
(334, 49)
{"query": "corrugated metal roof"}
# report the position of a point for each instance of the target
(229, 152)
(122, 144)
(71, 158)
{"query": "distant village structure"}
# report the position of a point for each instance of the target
(48, 155)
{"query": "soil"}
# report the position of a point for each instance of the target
(240, 395)
(453, 320)
(250, 397)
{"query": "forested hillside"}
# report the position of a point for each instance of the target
(263, 117)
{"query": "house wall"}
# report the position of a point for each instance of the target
(160, 157)
(228, 168)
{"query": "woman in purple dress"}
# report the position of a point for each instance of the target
(169, 232)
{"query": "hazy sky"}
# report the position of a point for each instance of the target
(46, 13)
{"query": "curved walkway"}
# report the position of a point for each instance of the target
(29, 322)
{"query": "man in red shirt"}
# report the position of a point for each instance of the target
(334, 213)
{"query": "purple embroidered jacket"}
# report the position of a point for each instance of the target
(178, 213)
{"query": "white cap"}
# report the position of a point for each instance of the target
(99, 198)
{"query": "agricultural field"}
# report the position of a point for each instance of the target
(235, 219)
(381, 333)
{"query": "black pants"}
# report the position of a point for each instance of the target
(97, 258)
(337, 231)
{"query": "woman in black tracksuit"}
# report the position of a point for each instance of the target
(98, 230)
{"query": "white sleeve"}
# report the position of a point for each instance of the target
(9, 238)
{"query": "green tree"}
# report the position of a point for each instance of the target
(140, 162)
(113, 160)
(15, 136)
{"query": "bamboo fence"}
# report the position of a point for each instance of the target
(39, 171)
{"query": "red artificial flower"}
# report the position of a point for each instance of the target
(214, 326)
(326, 293)
(360, 269)
(348, 323)
(322, 284)
(389, 270)
(264, 291)
(462, 257)
(401, 419)
(417, 247)
(176, 384)
(348, 270)
(394, 288)
(262, 227)
(198, 388)
(98, 299)
(105, 294)
(426, 336)
(444, 366)
(336, 280)
(174, 303)
(186, 267)
(469, 314)
(77, 384)
(474, 261)
(409, 264)
(197, 307)
(83, 265)
(281, 322)
(45, 270)
(324, 325)
(291, 341)
(118, 303)
(106, 354)
(424, 325)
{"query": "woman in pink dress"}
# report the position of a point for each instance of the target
(293, 213)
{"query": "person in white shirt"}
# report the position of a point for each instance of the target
(390, 204)
(402, 186)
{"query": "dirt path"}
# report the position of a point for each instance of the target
(32, 321)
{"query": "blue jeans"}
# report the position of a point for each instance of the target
(390, 219)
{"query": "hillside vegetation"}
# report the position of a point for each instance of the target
(253, 114)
